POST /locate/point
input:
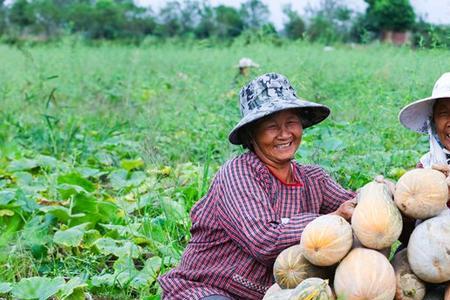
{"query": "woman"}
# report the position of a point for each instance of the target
(431, 116)
(259, 202)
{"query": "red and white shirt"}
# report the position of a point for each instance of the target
(244, 221)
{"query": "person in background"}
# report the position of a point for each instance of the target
(431, 116)
(245, 64)
(259, 202)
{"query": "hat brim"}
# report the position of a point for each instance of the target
(415, 116)
(311, 113)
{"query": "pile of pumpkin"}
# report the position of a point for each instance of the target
(353, 258)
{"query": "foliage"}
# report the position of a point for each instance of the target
(397, 15)
(104, 150)
(431, 36)
(329, 23)
(295, 27)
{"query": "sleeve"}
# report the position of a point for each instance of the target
(245, 213)
(333, 194)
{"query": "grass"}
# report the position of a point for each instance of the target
(123, 140)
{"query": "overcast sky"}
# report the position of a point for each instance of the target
(434, 11)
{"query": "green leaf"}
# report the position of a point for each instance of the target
(5, 287)
(61, 213)
(71, 290)
(37, 287)
(6, 212)
(118, 248)
(105, 279)
(78, 180)
(90, 237)
(26, 202)
(121, 179)
(71, 237)
(23, 165)
(6, 196)
(173, 210)
(131, 164)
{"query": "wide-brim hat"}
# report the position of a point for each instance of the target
(246, 62)
(271, 93)
(415, 115)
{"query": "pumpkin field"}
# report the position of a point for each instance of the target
(105, 148)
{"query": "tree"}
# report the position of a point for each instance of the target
(396, 15)
(21, 14)
(229, 22)
(2, 17)
(329, 23)
(254, 14)
(294, 28)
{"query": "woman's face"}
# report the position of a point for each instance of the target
(441, 117)
(277, 138)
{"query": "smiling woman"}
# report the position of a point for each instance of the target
(259, 202)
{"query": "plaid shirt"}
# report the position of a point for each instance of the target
(245, 220)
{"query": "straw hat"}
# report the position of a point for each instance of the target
(415, 115)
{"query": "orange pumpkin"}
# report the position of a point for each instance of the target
(376, 221)
(421, 193)
(365, 274)
(326, 240)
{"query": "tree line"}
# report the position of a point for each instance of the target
(196, 19)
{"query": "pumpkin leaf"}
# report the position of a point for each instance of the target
(131, 164)
(71, 237)
(77, 180)
(5, 287)
(6, 212)
(61, 213)
(118, 248)
(23, 165)
(7, 196)
(105, 279)
(72, 289)
(37, 287)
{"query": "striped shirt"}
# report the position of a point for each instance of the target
(244, 221)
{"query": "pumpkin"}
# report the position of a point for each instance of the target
(279, 295)
(376, 221)
(421, 193)
(312, 289)
(291, 268)
(409, 286)
(273, 289)
(365, 274)
(326, 240)
(429, 249)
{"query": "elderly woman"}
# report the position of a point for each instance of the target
(431, 116)
(259, 202)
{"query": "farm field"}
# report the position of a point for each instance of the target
(104, 150)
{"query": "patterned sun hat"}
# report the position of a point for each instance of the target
(415, 115)
(270, 93)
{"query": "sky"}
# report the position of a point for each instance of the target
(433, 11)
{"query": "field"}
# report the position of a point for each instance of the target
(104, 150)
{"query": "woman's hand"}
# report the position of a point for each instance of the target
(445, 169)
(346, 209)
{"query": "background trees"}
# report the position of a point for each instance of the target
(331, 22)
